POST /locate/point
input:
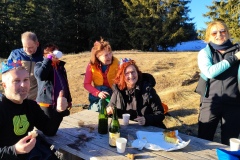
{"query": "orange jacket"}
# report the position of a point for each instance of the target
(98, 76)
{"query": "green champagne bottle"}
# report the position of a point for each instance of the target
(114, 129)
(103, 118)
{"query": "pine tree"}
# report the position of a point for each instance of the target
(15, 20)
(229, 12)
(5, 33)
(64, 25)
(152, 23)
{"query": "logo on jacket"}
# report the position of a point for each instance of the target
(20, 124)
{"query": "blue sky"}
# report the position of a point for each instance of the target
(198, 8)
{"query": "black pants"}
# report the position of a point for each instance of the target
(41, 151)
(211, 114)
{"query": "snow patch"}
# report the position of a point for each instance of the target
(196, 45)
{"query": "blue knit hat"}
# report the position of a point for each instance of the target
(9, 65)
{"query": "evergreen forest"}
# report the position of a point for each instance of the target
(74, 25)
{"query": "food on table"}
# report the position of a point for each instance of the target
(130, 156)
(80, 123)
(33, 133)
(170, 136)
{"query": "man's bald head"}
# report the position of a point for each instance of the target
(16, 84)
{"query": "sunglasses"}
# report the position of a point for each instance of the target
(222, 31)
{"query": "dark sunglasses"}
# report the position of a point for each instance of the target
(222, 31)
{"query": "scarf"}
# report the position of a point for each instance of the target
(223, 46)
(55, 63)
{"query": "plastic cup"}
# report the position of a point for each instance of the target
(126, 118)
(58, 54)
(121, 144)
(234, 144)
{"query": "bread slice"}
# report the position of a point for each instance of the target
(170, 137)
(33, 133)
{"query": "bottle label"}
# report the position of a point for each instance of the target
(112, 138)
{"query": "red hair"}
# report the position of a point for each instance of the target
(120, 77)
(97, 49)
(49, 48)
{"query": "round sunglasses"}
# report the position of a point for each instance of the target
(222, 31)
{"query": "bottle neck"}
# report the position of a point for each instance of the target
(103, 106)
(108, 99)
(115, 116)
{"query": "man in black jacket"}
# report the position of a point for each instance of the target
(19, 115)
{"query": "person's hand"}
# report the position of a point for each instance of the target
(103, 94)
(50, 56)
(25, 145)
(238, 55)
(109, 110)
(140, 120)
(62, 103)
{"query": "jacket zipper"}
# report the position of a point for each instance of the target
(30, 66)
(60, 80)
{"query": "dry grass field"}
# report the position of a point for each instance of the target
(174, 73)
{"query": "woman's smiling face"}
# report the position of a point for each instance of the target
(131, 76)
(218, 34)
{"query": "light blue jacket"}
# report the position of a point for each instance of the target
(210, 70)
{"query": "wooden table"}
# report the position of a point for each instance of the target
(84, 142)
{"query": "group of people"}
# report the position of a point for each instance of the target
(37, 94)
(133, 91)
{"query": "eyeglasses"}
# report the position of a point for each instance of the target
(131, 72)
(222, 31)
